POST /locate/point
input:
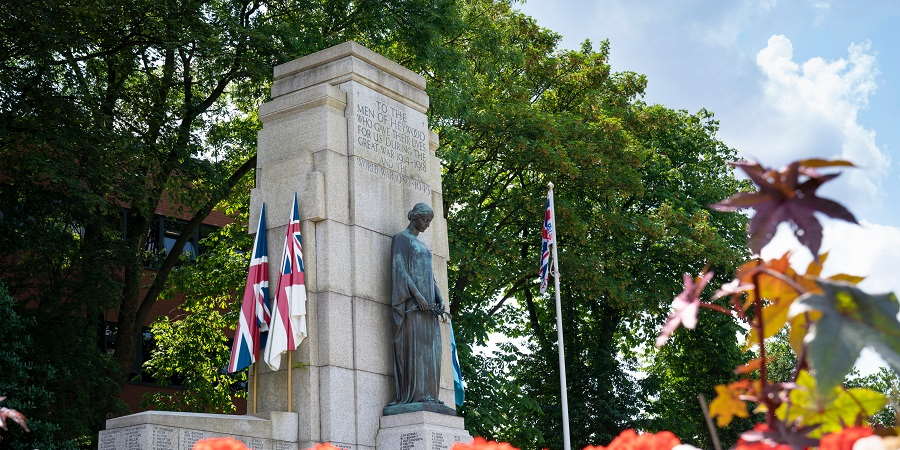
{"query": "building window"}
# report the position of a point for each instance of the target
(165, 231)
(108, 336)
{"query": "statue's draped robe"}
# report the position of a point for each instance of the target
(417, 334)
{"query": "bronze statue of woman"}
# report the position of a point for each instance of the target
(417, 308)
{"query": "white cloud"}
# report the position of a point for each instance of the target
(812, 108)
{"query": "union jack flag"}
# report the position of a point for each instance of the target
(253, 322)
(288, 326)
(546, 240)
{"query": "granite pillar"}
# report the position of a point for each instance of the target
(346, 128)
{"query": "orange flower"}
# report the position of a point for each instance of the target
(480, 443)
(224, 443)
(630, 440)
(844, 439)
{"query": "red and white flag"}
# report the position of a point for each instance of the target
(288, 326)
(547, 236)
(253, 322)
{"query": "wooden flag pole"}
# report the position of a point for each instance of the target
(290, 382)
(253, 385)
(559, 329)
(709, 424)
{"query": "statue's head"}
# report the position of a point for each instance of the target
(420, 210)
(420, 216)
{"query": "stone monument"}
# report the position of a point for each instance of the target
(346, 129)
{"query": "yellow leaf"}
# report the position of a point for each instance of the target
(814, 268)
(852, 279)
(769, 287)
(799, 327)
(775, 289)
(840, 408)
(854, 402)
(819, 162)
(726, 405)
(774, 318)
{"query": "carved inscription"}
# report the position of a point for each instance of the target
(164, 438)
(385, 134)
(437, 441)
(108, 440)
(155, 437)
(255, 443)
(390, 175)
(408, 441)
(189, 437)
(129, 438)
(284, 445)
(132, 439)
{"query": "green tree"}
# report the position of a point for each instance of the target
(885, 381)
(194, 346)
(692, 363)
(105, 111)
(27, 379)
(633, 182)
(513, 112)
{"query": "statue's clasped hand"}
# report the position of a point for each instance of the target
(438, 310)
(435, 308)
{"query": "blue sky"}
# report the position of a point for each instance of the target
(786, 79)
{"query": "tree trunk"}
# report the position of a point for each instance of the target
(137, 229)
(135, 307)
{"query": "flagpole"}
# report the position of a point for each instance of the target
(255, 393)
(290, 382)
(559, 330)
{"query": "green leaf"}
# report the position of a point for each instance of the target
(829, 411)
(851, 320)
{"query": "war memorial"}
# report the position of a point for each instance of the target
(346, 129)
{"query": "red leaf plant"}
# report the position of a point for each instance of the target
(762, 295)
(787, 195)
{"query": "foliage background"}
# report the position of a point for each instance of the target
(105, 105)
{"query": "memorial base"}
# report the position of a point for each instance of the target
(165, 430)
(421, 430)
(403, 408)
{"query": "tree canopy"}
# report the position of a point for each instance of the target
(108, 108)
(633, 182)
